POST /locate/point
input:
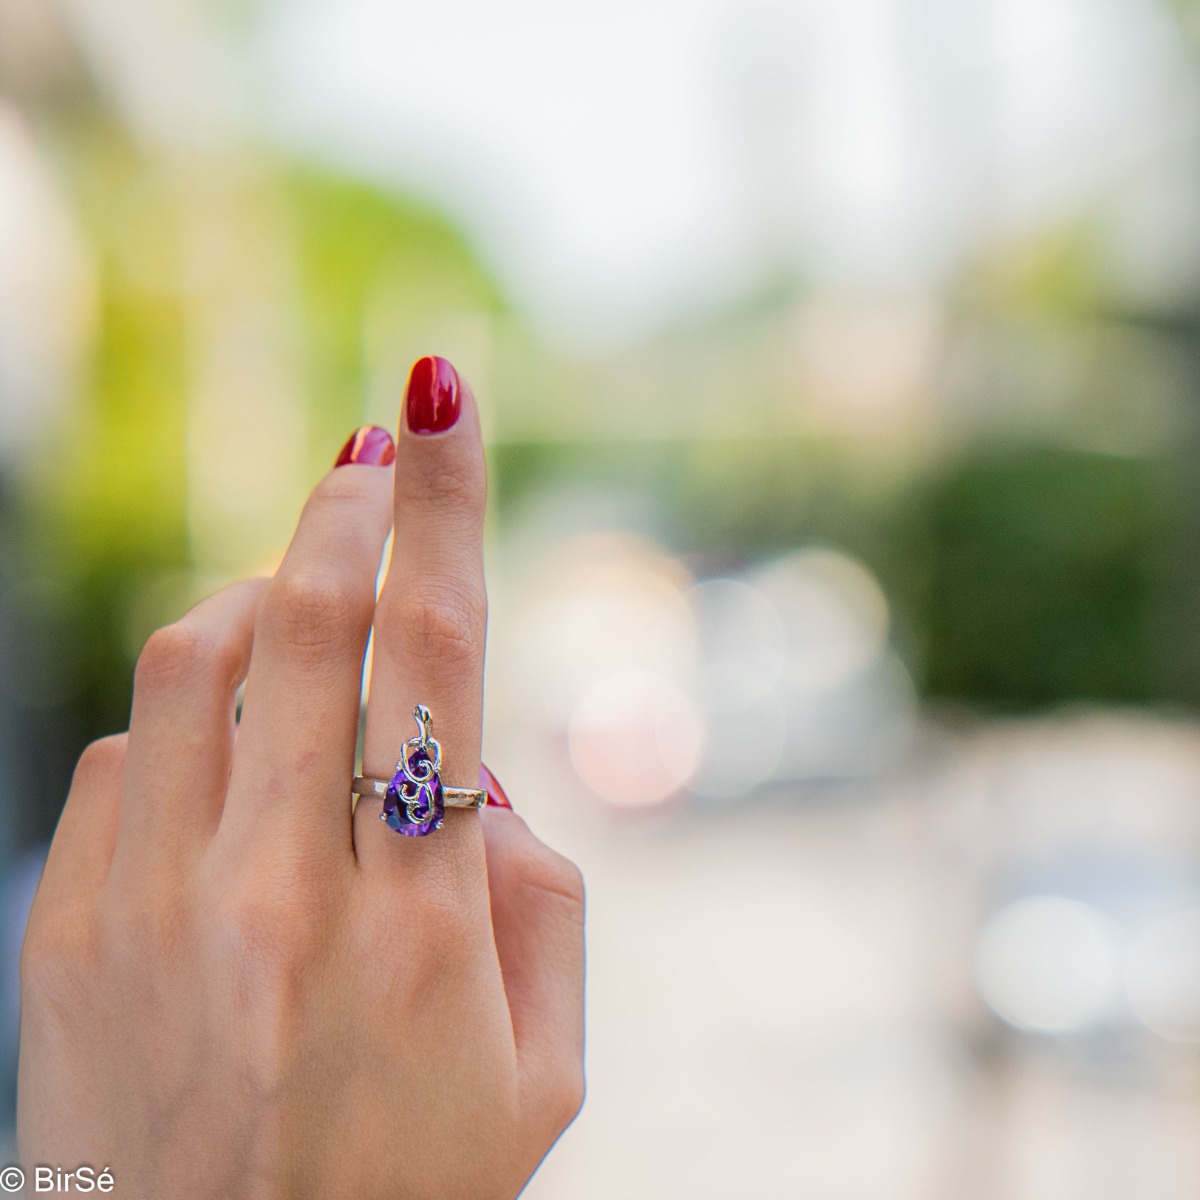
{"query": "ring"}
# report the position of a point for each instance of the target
(414, 799)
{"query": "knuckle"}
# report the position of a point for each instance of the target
(173, 655)
(443, 622)
(102, 760)
(54, 960)
(439, 920)
(139, 930)
(567, 1095)
(263, 931)
(557, 877)
(314, 610)
(443, 941)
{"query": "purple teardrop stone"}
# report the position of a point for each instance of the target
(430, 807)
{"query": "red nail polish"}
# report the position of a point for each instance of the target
(369, 446)
(491, 785)
(434, 395)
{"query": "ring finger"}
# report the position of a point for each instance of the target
(430, 624)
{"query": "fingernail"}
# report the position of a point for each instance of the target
(491, 785)
(369, 446)
(434, 395)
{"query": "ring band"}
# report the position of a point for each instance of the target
(370, 785)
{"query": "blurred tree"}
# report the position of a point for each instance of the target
(109, 508)
(369, 264)
(1045, 577)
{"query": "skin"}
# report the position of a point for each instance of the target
(232, 988)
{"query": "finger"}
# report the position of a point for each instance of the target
(496, 795)
(537, 920)
(430, 624)
(294, 756)
(182, 728)
(82, 850)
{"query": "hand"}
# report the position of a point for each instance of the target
(232, 988)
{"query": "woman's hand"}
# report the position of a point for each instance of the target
(232, 988)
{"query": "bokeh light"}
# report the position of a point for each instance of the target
(1163, 976)
(1049, 965)
(634, 738)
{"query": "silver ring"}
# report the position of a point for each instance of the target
(370, 785)
(414, 798)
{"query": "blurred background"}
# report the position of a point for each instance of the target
(841, 376)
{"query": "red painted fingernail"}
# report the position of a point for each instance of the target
(434, 395)
(369, 446)
(491, 785)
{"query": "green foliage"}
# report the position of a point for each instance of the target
(1020, 577)
(109, 510)
(1060, 270)
(113, 481)
(1045, 578)
(370, 266)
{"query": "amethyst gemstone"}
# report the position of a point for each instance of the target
(430, 805)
